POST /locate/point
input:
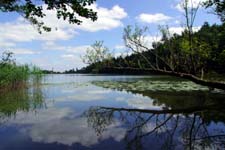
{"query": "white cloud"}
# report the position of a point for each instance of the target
(6, 44)
(23, 51)
(146, 41)
(22, 31)
(68, 56)
(177, 22)
(78, 50)
(120, 47)
(191, 4)
(153, 18)
(149, 39)
(120, 50)
(176, 30)
(51, 45)
(52, 62)
(107, 19)
(61, 125)
(20, 51)
(72, 54)
(179, 30)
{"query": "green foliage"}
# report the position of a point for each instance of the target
(97, 55)
(221, 58)
(69, 10)
(13, 76)
(203, 55)
(218, 7)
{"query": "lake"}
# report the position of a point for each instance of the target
(96, 112)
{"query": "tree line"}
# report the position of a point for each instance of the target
(173, 54)
(190, 55)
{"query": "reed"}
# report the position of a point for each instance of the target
(14, 76)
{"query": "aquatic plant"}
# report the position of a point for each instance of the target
(13, 75)
(143, 85)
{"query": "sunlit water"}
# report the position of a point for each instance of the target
(112, 112)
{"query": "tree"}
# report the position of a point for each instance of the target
(134, 40)
(218, 7)
(7, 58)
(96, 53)
(190, 14)
(98, 56)
(192, 53)
(32, 10)
(187, 55)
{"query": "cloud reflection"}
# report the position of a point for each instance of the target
(139, 101)
(64, 126)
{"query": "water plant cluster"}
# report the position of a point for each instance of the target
(143, 85)
(13, 75)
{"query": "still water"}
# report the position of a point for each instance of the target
(87, 112)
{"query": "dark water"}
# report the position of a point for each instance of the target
(112, 112)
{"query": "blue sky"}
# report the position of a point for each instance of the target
(62, 48)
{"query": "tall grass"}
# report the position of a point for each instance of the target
(14, 76)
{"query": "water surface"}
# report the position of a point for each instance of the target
(112, 112)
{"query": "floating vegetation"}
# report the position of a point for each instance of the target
(145, 85)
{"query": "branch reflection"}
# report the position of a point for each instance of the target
(189, 128)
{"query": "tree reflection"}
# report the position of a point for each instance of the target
(187, 128)
(175, 99)
(190, 119)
